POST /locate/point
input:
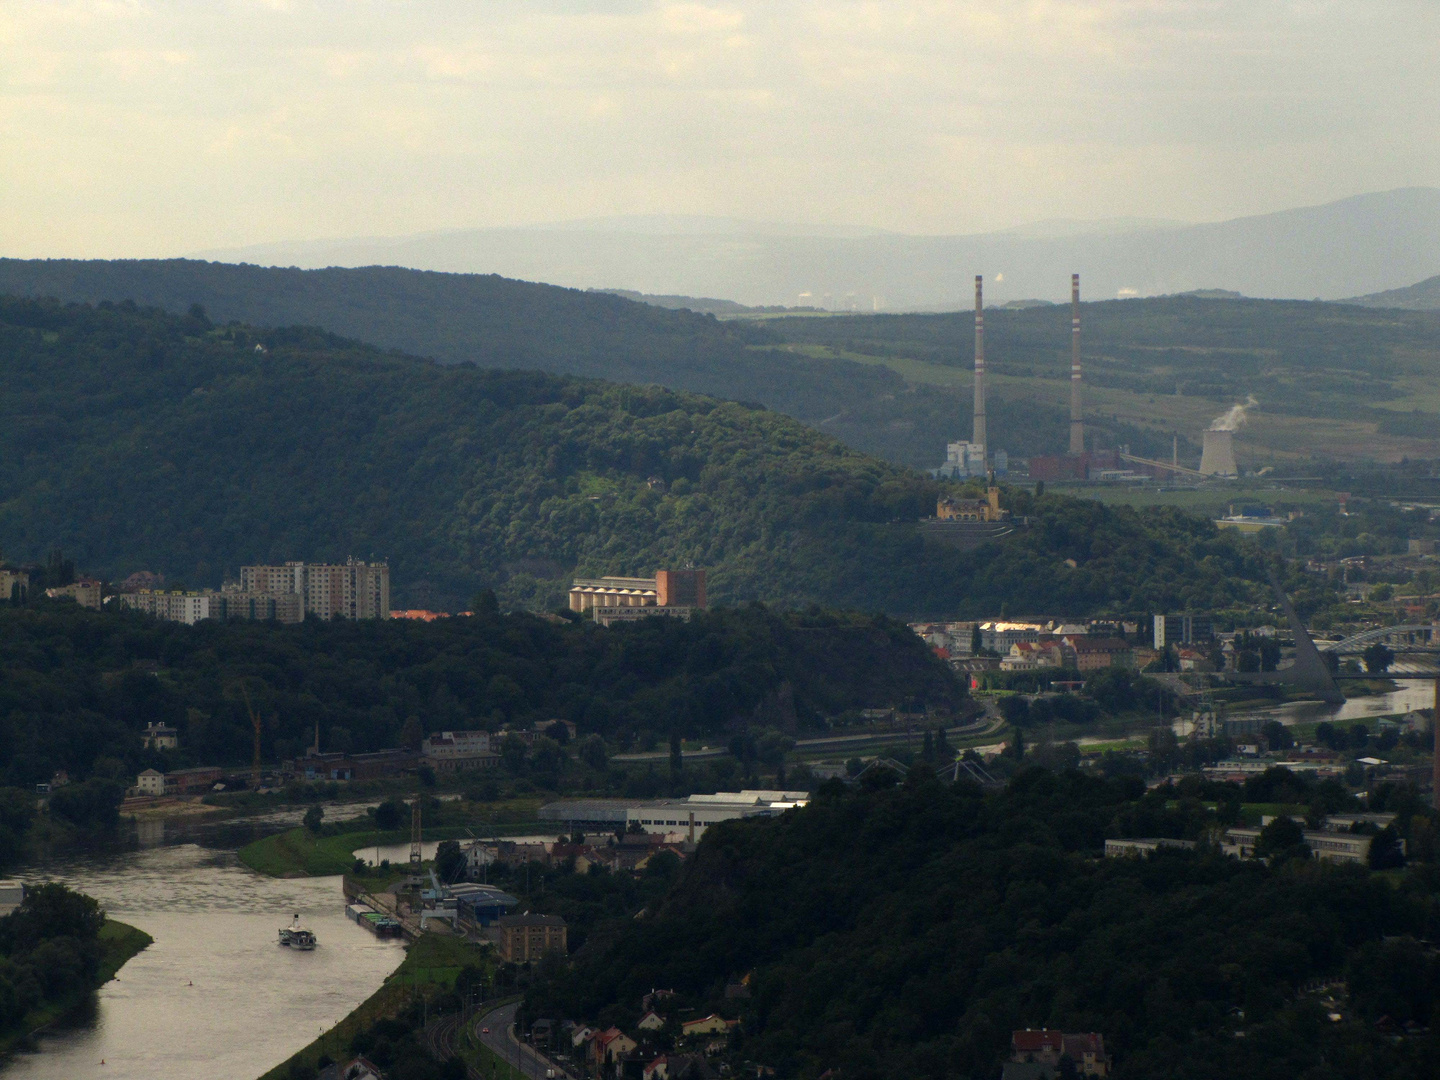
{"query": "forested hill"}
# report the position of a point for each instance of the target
(485, 319)
(906, 932)
(501, 323)
(78, 687)
(137, 440)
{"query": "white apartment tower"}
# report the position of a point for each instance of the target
(352, 590)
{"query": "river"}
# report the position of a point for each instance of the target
(214, 995)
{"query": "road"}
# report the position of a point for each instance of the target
(828, 744)
(501, 1040)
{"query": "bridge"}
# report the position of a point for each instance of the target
(1416, 655)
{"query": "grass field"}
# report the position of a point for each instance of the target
(120, 941)
(299, 853)
(431, 965)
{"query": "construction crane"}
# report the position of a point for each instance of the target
(256, 723)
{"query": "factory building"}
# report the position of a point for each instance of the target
(690, 816)
(620, 599)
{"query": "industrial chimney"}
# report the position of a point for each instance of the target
(1077, 405)
(978, 437)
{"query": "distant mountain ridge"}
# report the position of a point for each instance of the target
(1422, 296)
(1360, 245)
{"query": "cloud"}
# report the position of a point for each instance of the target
(170, 125)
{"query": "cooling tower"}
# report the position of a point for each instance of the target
(1218, 457)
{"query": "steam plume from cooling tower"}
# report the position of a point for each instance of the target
(1234, 417)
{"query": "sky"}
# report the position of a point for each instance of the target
(159, 127)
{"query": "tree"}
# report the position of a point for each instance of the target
(591, 750)
(1385, 852)
(389, 815)
(95, 803)
(1269, 654)
(313, 818)
(677, 757)
(512, 754)
(1277, 736)
(1282, 838)
(977, 640)
(1378, 658)
(449, 861)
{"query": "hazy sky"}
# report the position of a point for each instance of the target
(160, 127)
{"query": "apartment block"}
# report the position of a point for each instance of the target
(350, 590)
(522, 938)
(84, 592)
(192, 607)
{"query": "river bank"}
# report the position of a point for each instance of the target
(118, 943)
(429, 973)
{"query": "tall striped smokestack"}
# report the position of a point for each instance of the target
(1077, 387)
(979, 434)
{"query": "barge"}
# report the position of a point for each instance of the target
(378, 924)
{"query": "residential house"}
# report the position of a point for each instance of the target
(150, 782)
(160, 737)
(706, 1025)
(1045, 653)
(607, 1047)
(656, 1070)
(1036, 1054)
(1087, 1050)
(651, 1021)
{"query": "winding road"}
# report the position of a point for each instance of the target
(495, 1029)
